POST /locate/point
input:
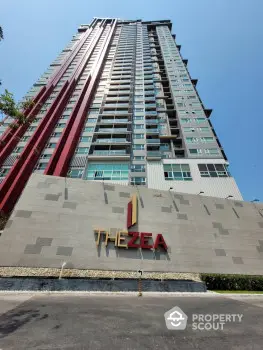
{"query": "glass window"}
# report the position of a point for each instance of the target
(207, 139)
(107, 171)
(214, 170)
(85, 138)
(138, 181)
(138, 147)
(82, 150)
(138, 136)
(180, 172)
(195, 151)
(138, 157)
(89, 129)
(211, 151)
(75, 173)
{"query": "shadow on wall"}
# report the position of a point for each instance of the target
(141, 254)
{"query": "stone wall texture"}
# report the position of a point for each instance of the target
(54, 221)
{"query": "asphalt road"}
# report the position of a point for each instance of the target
(79, 321)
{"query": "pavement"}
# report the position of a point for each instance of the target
(125, 321)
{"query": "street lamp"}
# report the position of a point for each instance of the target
(171, 188)
(201, 192)
(255, 200)
(230, 196)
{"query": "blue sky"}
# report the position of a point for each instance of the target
(221, 38)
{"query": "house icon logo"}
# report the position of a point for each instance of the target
(175, 319)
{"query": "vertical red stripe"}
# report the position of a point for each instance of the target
(72, 140)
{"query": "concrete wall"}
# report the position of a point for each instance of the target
(54, 222)
(211, 186)
(80, 284)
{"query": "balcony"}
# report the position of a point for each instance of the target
(113, 121)
(156, 141)
(109, 154)
(152, 121)
(152, 131)
(112, 130)
(153, 155)
(113, 140)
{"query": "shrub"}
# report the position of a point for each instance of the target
(232, 282)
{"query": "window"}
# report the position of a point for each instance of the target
(138, 136)
(207, 139)
(192, 140)
(195, 151)
(138, 157)
(25, 138)
(214, 170)
(45, 156)
(56, 134)
(138, 126)
(91, 120)
(4, 172)
(137, 118)
(107, 171)
(82, 150)
(85, 138)
(88, 129)
(188, 129)
(180, 172)
(61, 125)
(137, 168)
(211, 151)
(200, 120)
(138, 147)
(75, 173)
(18, 149)
(41, 166)
(51, 145)
(203, 129)
(186, 120)
(138, 181)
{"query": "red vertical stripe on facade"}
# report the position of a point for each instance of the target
(53, 160)
(16, 179)
(73, 138)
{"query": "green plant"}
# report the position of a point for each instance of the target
(233, 282)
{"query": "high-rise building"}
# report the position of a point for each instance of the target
(117, 105)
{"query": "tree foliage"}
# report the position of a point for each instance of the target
(8, 107)
(1, 34)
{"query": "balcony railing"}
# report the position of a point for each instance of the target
(152, 140)
(112, 130)
(152, 121)
(114, 121)
(153, 154)
(110, 153)
(111, 140)
(150, 131)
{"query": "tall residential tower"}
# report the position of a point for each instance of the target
(117, 105)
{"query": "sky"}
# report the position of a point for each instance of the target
(222, 40)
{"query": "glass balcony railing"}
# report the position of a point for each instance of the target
(115, 140)
(110, 153)
(115, 112)
(112, 130)
(114, 121)
(150, 131)
(152, 121)
(152, 140)
(153, 154)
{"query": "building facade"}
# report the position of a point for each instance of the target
(118, 105)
